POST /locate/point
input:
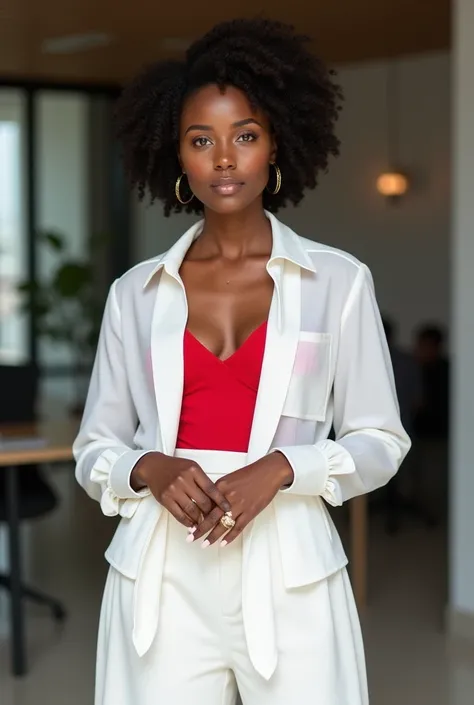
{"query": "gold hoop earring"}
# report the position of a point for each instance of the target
(278, 180)
(178, 194)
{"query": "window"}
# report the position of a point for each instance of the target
(13, 240)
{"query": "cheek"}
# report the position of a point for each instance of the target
(256, 162)
(196, 165)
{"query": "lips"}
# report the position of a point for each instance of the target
(227, 187)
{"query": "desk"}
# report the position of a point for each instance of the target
(58, 437)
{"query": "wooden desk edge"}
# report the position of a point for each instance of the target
(58, 436)
(33, 456)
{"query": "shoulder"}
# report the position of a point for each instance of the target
(336, 269)
(134, 280)
(342, 277)
(331, 259)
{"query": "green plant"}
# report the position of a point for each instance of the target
(66, 305)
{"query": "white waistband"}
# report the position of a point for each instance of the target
(214, 462)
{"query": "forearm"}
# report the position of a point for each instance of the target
(338, 471)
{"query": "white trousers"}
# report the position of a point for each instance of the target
(199, 654)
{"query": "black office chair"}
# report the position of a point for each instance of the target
(18, 395)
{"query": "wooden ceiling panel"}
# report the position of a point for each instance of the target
(343, 31)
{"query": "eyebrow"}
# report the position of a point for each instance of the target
(208, 128)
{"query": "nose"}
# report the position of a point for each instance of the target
(224, 158)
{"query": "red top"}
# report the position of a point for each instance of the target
(219, 395)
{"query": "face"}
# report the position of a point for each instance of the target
(225, 149)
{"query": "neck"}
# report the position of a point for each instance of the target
(237, 235)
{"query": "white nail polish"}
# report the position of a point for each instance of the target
(205, 544)
(189, 538)
(223, 543)
(192, 529)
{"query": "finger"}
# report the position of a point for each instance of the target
(217, 534)
(173, 507)
(210, 521)
(234, 533)
(210, 489)
(190, 508)
(205, 504)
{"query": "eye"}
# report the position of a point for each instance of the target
(201, 141)
(247, 137)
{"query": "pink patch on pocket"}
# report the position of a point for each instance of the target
(306, 360)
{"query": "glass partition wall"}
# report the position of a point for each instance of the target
(14, 347)
(64, 230)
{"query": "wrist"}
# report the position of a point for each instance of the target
(140, 473)
(284, 471)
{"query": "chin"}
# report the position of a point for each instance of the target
(230, 205)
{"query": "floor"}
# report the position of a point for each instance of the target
(409, 659)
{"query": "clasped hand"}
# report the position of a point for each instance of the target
(249, 491)
(184, 489)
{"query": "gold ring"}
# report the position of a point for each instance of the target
(201, 515)
(227, 521)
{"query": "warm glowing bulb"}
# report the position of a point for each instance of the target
(392, 184)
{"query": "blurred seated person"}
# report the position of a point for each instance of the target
(407, 377)
(432, 416)
(431, 423)
(403, 495)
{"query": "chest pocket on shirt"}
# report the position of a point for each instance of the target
(309, 387)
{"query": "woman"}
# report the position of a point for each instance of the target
(222, 366)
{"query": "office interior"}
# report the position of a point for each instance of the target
(398, 197)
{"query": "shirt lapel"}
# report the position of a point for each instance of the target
(167, 330)
(168, 324)
(279, 356)
(287, 259)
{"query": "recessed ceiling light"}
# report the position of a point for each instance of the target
(74, 43)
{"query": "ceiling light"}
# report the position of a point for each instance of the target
(392, 184)
(73, 43)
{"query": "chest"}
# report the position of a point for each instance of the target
(226, 302)
(300, 351)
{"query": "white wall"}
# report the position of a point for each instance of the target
(462, 494)
(406, 246)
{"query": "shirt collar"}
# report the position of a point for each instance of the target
(286, 246)
(171, 260)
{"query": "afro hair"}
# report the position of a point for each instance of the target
(279, 74)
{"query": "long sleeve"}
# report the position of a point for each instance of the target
(103, 450)
(370, 441)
